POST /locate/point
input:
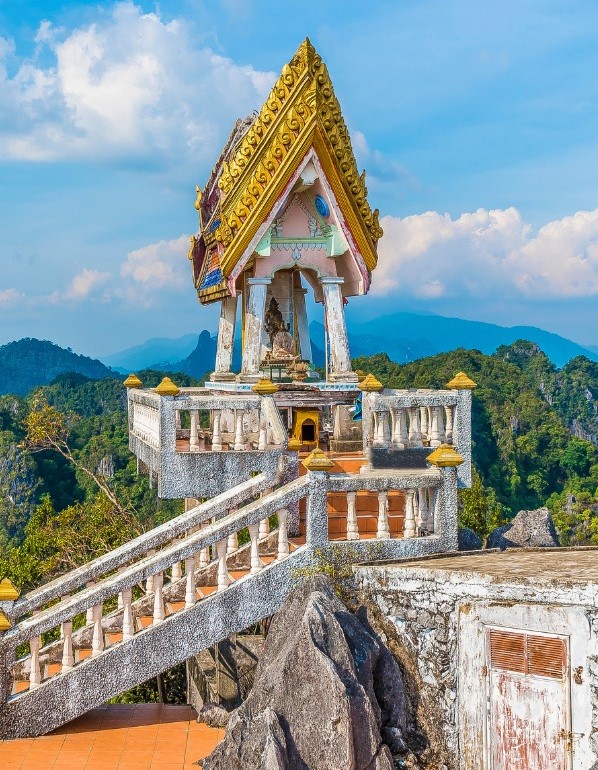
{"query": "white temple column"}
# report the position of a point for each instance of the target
(254, 324)
(302, 324)
(337, 331)
(226, 340)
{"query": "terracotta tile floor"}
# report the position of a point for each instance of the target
(143, 736)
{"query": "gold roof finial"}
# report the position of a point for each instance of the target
(461, 382)
(5, 623)
(8, 591)
(197, 204)
(445, 456)
(264, 387)
(167, 388)
(370, 384)
(317, 461)
(132, 381)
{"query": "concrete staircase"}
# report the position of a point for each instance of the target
(175, 591)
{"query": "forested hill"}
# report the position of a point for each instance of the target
(27, 363)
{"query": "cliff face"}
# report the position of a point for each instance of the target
(327, 695)
(28, 363)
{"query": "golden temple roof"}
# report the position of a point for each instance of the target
(258, 161)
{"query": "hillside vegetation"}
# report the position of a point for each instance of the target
(28, 363)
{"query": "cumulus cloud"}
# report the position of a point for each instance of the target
(130, 85)
(158, 266)
(85, 283)
(488, 254)
(9, 297)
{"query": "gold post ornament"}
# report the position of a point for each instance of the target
(265, 387)
(132, 381)
(461, 382)
(445, 456)
(317, 461)
(8, 591)
(370, 384)
(167, 388)
(294, 444)
(5, 623)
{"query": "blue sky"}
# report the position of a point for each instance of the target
(476, 122)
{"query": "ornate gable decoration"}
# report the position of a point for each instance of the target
(301, 111)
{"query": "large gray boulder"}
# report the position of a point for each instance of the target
(468, 540)
(327, 694)
(529, 529)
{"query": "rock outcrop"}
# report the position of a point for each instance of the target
(529, 529)
(327, 694)
(468, 540)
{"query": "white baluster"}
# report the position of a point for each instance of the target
(423, 510)
(68, 657)
(189, 582)
(283, 533)
(216, 437)
(239, 435)
(97, 640)
(436, 429)
(383, 528)
(263, 436)
(193, 440)
(224, 579)
(424, 422)
(177, 418)
(450, 417)
(89, 612)
(149, 581)
(232, 543)
(431, 509)
(400, 438)
(256, 563)
(264, 529)
(176, 573)
(35, 675)
(204, 558)
(409, 528)
(415, 436)
(352, 526)
(128, 623)
(159, 613)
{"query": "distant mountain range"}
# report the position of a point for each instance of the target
(28, 363)
(404, 336)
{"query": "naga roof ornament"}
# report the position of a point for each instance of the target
(261, 155)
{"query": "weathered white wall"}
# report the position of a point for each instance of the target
(440, 618)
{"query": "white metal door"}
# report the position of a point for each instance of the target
(528, 703)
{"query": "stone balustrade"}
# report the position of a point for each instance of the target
(200, 443)
(422, 419)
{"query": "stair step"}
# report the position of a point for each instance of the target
(175, 606)
(144, 621)
(113, 637)
(82, 653)
(20, 686)
(205, 591)
(52, 669)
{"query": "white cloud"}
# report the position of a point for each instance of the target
(488, 254)
(159, 266)
(9, 297)
(130, 85)
(85, 283)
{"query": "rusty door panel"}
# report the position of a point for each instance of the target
(528, 707)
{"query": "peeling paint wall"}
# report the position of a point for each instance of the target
(440, 619)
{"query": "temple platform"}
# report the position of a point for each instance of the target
(142, 736)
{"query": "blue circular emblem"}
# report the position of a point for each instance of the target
(321, 206)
